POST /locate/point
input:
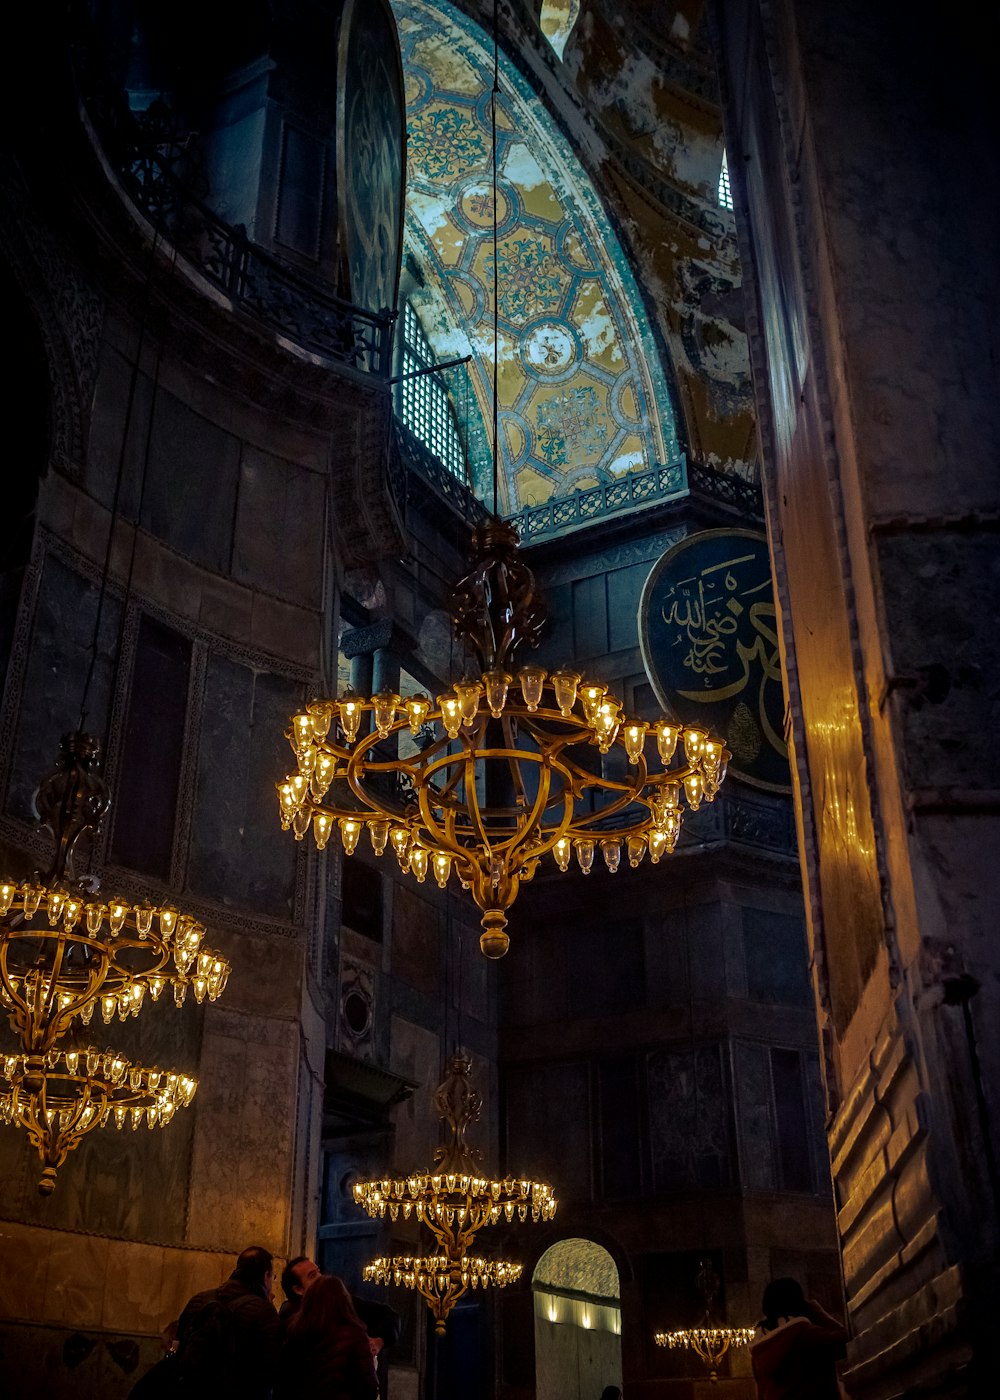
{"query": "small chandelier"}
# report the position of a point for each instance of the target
(442, 1280)
(455, 1201)
(65, 953)
(78, 1090)
(710, 1339)
(505, 773)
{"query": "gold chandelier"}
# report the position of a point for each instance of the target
(66, 952)
(441, 1280)
(455, 1201)
(505, 772)
(710, 1340)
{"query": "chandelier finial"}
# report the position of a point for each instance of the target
(497, 605)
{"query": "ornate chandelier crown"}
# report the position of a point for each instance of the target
(65, 952)
(509, 770)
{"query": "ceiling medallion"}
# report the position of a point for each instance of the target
(506, 771)
(455, 1202)
(65, 953)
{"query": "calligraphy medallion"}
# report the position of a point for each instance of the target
(709, 637)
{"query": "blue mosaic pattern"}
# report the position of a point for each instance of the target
(583, 395)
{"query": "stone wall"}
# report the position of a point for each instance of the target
(856, 142)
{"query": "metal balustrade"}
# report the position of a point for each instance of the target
(157, 170)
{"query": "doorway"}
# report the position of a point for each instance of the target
(577, 1304)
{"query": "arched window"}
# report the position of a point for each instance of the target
(557, 20)
(424, 404)
(725, 189)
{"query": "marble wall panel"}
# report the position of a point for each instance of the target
(237, 853)
(624, 590)
(548, 1125)
(24, 1253)
(416, 1056)
(279, 528)
(590, 617)
(133, 1288)
(74, 1284)
(776, 958)
(245, 1133)
(70, 1364)
(416, 943)
(573, 1362)
(191, 479)
(752, 1076)
(61, 639)
(108, 426)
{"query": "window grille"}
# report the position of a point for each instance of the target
(425, 406)
(725, 190)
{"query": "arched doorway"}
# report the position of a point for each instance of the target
(578, 1349)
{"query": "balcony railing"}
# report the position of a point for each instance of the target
(563, 513)
(157, 171)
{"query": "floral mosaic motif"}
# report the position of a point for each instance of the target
(571, 422)
(529, 281)
(444, 143)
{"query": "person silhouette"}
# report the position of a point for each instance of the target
(796, 1346)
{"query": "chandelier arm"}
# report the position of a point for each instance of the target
(507, 723)
(442, 837)
(51, 994)
(472, 803)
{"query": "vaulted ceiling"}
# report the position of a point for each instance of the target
(582, 386)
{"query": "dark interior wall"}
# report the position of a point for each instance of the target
(873, 346)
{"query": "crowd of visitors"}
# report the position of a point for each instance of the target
(230, 1344)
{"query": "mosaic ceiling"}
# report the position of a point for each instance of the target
(583, 398)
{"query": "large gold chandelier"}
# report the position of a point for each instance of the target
(455, 1201)
(508, 770)
(67, 953)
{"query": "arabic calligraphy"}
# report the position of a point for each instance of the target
(711, 640)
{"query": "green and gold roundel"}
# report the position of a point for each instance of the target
(708, 630)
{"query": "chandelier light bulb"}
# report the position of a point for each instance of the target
(497, 685)
(468, 693)
(451, 714)
(384, 710)
(350, 717)
(591, 695)
(350, 830)
(532, 680)
(442, 868)
(564, 685)
(612, 853)
(694, 742)
(378, 832)
(584, 854)
(418, 707)
(667, 734)
(634, 738)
